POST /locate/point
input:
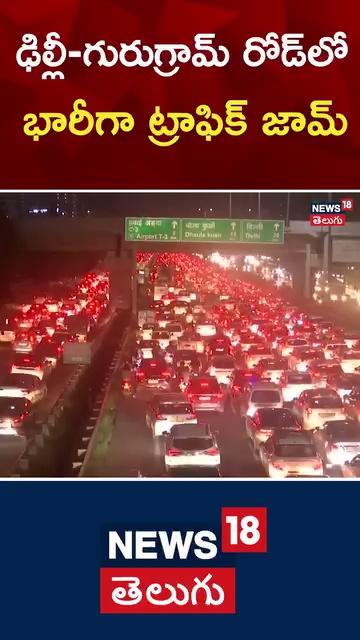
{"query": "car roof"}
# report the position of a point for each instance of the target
(264, 385)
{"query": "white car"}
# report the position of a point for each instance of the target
(332, 349)
(338, 441)
(191, 445)
(166, 410)
(7, 335)
(17, 385)
(23, 344)
(272, 369)
(222, 368)
(256, 353)
(350, 362)
(263, 394)
(206, 329)
(317, 406)
(293, 383)
(287, 347)
(290, 455)
(24, 363)
(146, 331)
(162, 338)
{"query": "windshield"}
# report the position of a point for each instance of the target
(277, 418)
(265, 396)
(295, 451)
(171, 408)
(326, 402)
(204, 386)
(344, 433)
(294, 378)
(223, 363)
(192, 444)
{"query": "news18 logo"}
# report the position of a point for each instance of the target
(177, 589)
(331, 214)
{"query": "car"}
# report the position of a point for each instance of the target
(350, 361)
(205, 394)
(146, 331)
(351, 469)
(153, 374)
(262, 394)
(222, 368)
(13, 413)
(190, 344)
(352, 403)
(48, 351)
(175, 330)
(301, 358)
(162, 339)
(338, 441)
(221, 345)
(293, 383)
(334, 350)
(257, 352)
(239, 382)
(29, 364)
(352, 340)
(321, 371)
(206, 329)
(290, 454)
(147, 349)
(272, 369)
(287, 346)
(344, 383)
(190, 445)
(166, 410)
(185, 359)
(18, 385)
(265, 422)
(317, 406)
(24, 342)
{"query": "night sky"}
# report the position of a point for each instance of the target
(272, 205)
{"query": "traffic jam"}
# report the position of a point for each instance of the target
(215, 354)
(33, 337)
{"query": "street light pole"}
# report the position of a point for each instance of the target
(259, 205)
(230, 205)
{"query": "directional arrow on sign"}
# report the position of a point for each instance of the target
(276, 226)
(233, 226)
(174, 224)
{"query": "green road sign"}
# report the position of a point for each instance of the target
(204, 230)
(152, 229)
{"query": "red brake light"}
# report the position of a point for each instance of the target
(212, 452)
(160, 416)
(174, 452)
(317, 465)
(236, 387)
(140, 374)
(308, 411)
(166, 374)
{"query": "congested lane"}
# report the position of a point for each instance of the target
(255, 353)
(132, 451)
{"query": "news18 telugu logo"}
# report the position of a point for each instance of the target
(202, 588)
(330, 214)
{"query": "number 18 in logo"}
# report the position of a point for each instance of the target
(244, 529)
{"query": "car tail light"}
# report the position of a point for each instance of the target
(278, 465)
(160, 416)
(308, 411)
(317, 465)
(236, 387)
(212, 452)
(140, 374)
(218, 395)
(191, 416)
(174, 452)
(125, 384)
(166, 374)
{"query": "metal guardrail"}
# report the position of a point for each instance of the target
(99, 428)
(47, 429)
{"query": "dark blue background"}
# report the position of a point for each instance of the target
(52, 542)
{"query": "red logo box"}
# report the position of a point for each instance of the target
(167, 590)
(327, 220)
(244, 529)
(347, 204)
